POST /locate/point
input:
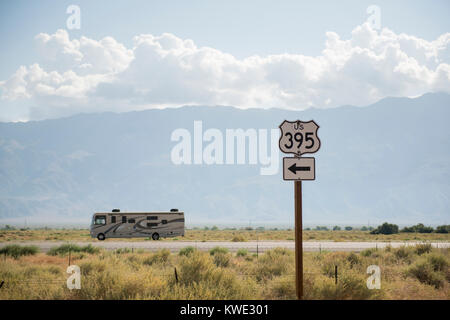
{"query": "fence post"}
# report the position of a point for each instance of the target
(1, 283)
(320, 248)
(176, 275)
(335, 274)
(257, 248)
(70, 255)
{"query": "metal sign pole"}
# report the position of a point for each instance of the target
(298, 240)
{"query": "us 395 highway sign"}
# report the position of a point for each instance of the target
(299, 137)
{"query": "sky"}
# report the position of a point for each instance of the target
(133, 55)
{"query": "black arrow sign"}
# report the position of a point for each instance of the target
(294, 168)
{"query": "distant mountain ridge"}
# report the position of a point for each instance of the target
(386, 162)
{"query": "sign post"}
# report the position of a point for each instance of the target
(299, 137)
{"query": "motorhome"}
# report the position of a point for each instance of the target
(116, 224)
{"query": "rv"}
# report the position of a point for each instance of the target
(116, 224)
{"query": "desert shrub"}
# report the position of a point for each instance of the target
(122, 250)
(161, 256)
(438, 262)
(242, 252)
(336, 228)
(350, 286)
(186, 251)
(281, 288)
(272, 263)
(215, 250)
(195, 268)
(403, 253)
(17, 251)
(88, 267)
(66, 248)
(367, 252)
(353, 259)
(222, 259)
(423, 248)
(238, 238)
(423, 271)
(334, 259)
(348, 228)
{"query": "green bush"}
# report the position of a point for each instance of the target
(122, 250)
(423, 248)
(368, 252)
(443, 229)
(420, 228)
(215, 250)
(385, 228)
(66, 248)
(353, 259)
(348, 228)
(336, 228)
(186, 251)
(17, 251)
(437, 262)
(423, 271)
(402, 253)
(242, 252)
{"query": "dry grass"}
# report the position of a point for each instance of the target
(226, 235)
(406, 273)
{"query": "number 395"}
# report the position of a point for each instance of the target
(298, 138)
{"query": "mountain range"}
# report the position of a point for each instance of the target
(389, 161)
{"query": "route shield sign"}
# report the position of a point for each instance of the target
(299, 169)
(298, 137)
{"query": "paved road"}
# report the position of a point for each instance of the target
(251, 246)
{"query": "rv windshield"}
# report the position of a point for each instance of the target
(100, 220)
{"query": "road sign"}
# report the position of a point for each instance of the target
(299, 169)
(298, 137)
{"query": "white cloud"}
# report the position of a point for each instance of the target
(89, 75)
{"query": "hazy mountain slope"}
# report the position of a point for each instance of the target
(388, 161)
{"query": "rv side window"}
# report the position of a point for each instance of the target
(164, 221)
(113, 219)
(131, 221)
(100, 220)
(152, 218)
(124, 219)
(152, 224)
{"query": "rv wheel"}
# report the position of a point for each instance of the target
(101, 237)
(155, 236)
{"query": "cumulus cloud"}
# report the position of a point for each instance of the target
(93, 75)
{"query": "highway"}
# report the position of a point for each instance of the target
(251, 246)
